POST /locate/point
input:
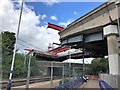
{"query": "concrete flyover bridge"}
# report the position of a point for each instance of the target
(89, 28)
(97, 33)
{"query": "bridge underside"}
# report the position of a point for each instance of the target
(93, 49)
(92, 41)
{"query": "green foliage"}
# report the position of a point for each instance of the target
(99, 66)
(88, 72)
(6, 61)
(20, 70)
(8, 41)
(34, 67)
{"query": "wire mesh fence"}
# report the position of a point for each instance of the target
(43, 74)
(57, 73)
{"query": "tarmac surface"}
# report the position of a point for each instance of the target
(44, 85)
(91, 84)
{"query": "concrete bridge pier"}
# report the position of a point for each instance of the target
(111, 33)
(113, 78)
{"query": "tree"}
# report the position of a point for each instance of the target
(99, 66)
(20, 70)
(8, 41)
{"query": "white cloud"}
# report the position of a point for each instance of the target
(66, 23)
(43, 16)
(30, 32)
(53, 18)
(50, 2)
(2, 3)
(47, 2)
(75, 13)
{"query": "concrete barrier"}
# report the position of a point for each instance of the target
(103, 85)
(112, 80)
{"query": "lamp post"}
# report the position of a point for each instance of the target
(69, 53)
(14, 53)
(69, 64)
(83, 55)
(83, 62)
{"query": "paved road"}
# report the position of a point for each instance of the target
(91, 84)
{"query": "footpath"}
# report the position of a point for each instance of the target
(91, 84)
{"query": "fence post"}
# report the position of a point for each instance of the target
(63, 74)
(69, 71)
(51, 81)
(73, 73)
(28, 74)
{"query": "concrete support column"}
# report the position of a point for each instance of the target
(111, 33)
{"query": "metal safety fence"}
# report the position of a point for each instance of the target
(73, 84)
(103, 85)
(45, 74)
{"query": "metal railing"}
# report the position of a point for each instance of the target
(103, 85)
(71, 84)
